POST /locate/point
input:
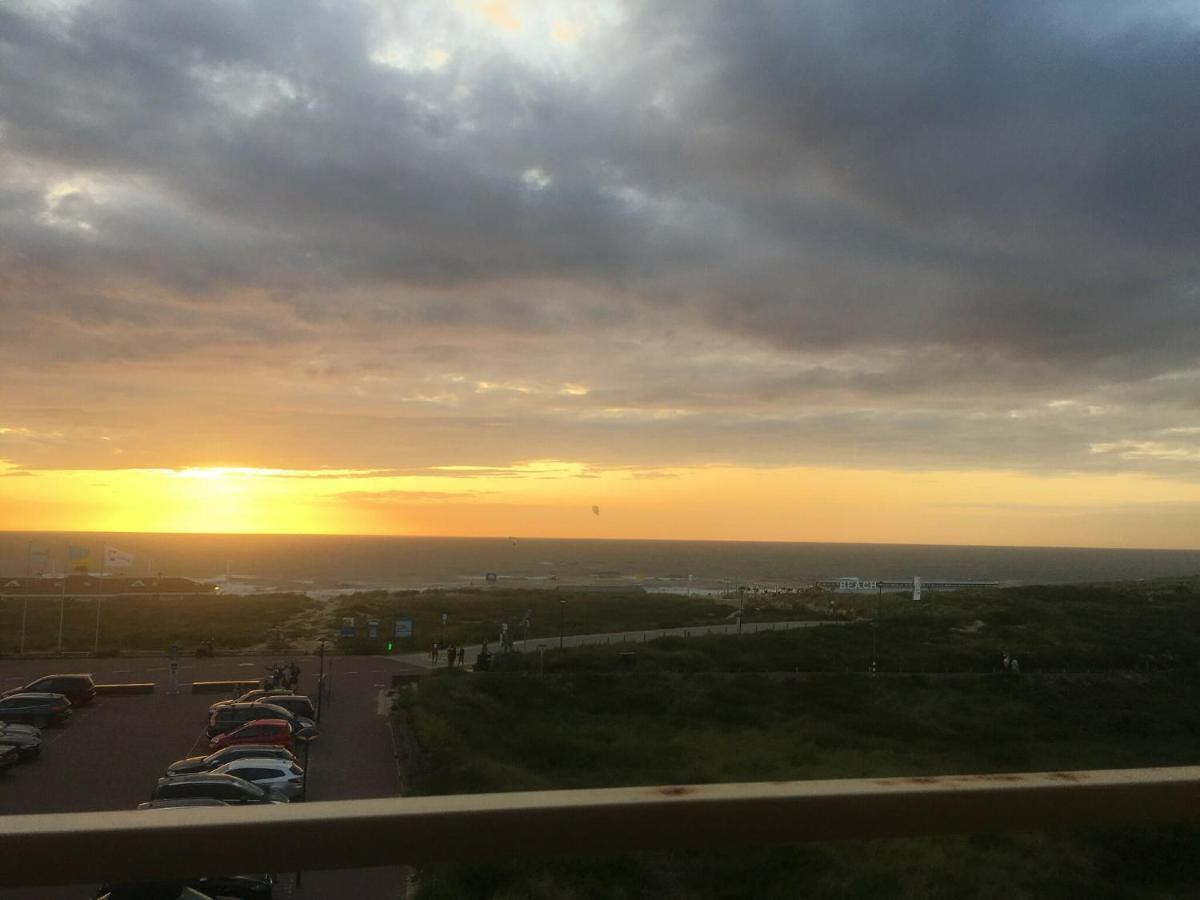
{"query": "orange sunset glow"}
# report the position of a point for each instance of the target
(475, 268)
(555, 498)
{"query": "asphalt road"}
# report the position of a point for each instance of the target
(608, 638)
(112, 752)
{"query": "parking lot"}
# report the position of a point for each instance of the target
(111, 753)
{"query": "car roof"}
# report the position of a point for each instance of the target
(65, 675)
(181, 803)
(40, 695)
(247, 762)
(243, 748)
(202, 778)
(278, 723)
(250, 704)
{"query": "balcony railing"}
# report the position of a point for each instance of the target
(131, 846)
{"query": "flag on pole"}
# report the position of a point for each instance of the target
(79, 559)
(117, 559)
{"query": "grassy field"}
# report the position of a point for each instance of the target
(1049, 629)
(727, 709)
(516, 732)
(151, 624)
(476, 616)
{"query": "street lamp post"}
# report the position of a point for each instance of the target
(320, 679)
(96, 647)
(875, 627)
(62, 612)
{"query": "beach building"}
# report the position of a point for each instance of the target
(854, 585)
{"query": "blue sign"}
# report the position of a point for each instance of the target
(404, 628)
(348, 626)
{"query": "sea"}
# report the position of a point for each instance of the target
(328, 564)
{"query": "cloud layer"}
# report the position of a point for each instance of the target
(374, 235)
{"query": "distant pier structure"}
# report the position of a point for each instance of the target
(916, 584)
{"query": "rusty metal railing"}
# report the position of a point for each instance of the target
(129, 845)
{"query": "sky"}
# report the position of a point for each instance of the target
(919, 272)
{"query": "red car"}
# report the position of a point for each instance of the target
(259, 731)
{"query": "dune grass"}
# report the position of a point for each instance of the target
(734, 709)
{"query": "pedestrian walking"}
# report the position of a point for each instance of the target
(450, 657)
(462, 655)
(433, 653)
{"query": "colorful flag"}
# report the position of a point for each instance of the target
(79, 559)
(117, 559)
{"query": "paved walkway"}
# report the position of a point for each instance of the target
(616, 637)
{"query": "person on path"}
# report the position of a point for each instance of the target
(450, 657)
(433, 653)
(294, 672)
(462, 655)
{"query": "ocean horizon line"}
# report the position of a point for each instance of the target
(639, 540)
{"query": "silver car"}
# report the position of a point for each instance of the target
(195, 765)
(279, 775)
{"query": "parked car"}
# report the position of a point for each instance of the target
(226, 788)
(277, 775)
(36, 709)
(260, 731)
(256, 694)
(299, 706)
(153, 890)
(9, 756)
(220, 887)
(181, 803)
(226, 718)
(196, 764)
(236, 887)
(26, 738)
(79, 689)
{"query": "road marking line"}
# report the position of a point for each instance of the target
(244, 665)
(350, 673)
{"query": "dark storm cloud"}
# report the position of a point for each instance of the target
(878, 234)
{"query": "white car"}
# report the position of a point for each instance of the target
(279, 775)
